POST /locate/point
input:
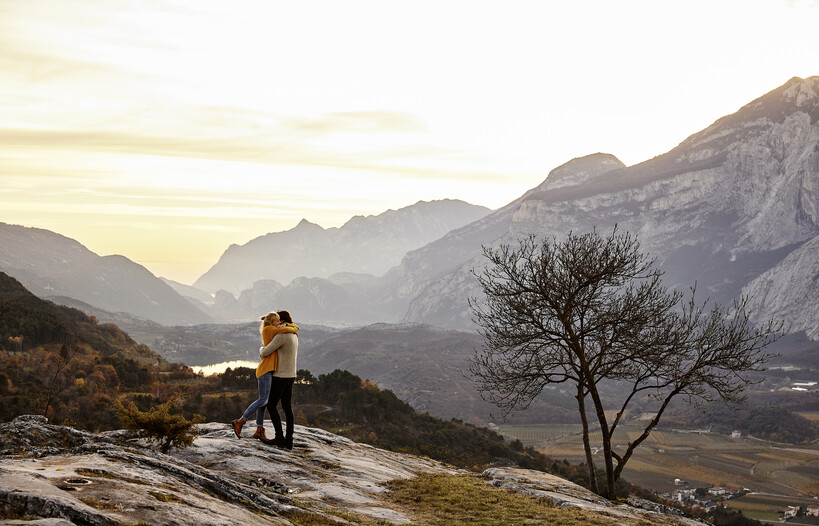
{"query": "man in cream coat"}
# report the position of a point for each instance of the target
(287, 345)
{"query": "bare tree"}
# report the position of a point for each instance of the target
(55, 380)
(592, 309)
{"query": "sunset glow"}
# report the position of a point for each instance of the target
(166, 131)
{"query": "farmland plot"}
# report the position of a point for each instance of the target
(766, 507)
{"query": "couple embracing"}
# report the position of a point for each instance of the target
(275, 374)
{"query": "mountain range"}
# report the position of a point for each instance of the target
(56, 267)
(733, 209)
(363, 245)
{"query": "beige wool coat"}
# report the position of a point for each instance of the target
(288, 346)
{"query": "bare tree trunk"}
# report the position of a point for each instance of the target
(581, 404)
(605, 432)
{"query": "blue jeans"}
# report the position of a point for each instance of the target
(265, 381)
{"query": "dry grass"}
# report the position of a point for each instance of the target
(102, 504)
(812, 416)
(468, 500)
(166, 497)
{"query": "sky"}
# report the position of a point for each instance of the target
(165, 130)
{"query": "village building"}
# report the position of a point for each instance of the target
(683, 495)
(705, 504)
(791, 512)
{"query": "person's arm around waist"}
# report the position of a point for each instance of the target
(274, 345)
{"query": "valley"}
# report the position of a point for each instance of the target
(775, 475)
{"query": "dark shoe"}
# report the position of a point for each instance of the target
(259, 434)
(278, 442)
(237, 427)
(288, 443)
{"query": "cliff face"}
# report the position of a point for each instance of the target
(780, 292)
(727, 205)
(63, 476)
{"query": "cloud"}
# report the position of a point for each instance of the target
(383, 141)
(357, 122)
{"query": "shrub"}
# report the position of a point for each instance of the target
(158, 425)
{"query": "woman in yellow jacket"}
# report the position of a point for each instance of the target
(271, 325)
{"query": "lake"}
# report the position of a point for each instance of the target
(217, 368)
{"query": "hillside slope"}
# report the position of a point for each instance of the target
(49, 264)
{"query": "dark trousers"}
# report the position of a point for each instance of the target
(281, 391)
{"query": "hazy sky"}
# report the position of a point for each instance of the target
(166, 130)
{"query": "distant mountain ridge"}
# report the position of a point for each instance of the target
(54, 266)
(364, 245)
(49, 264)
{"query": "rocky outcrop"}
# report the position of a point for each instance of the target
(61, 476)
(112, 478)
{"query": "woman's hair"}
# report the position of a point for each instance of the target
(268, 319)
(285, 316)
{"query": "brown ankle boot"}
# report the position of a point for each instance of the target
(259, 434)
(237, 426)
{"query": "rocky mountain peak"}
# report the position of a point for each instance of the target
(305, 224)
(579, 170)
(797, 96)
(802, 91)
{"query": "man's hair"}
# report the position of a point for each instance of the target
(285, 316)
